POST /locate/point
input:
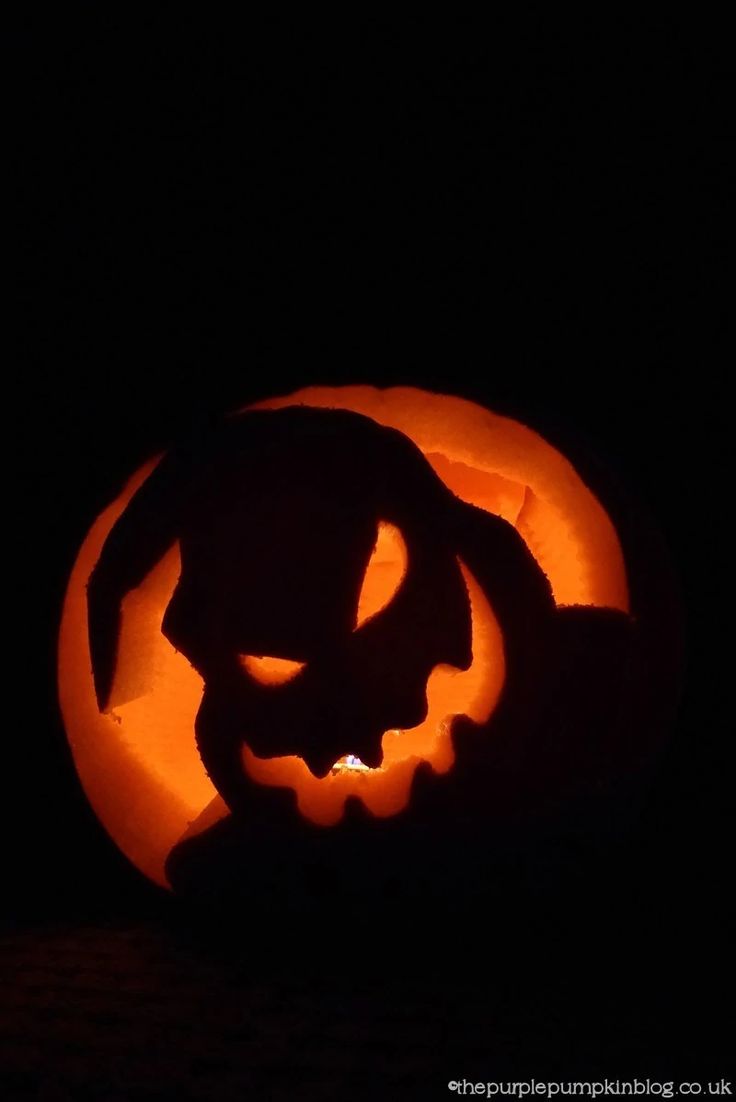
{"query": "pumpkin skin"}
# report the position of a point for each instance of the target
(519, 598)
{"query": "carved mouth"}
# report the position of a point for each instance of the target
(369, 761)
(350, 764)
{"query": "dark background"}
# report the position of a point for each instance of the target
(539, 229)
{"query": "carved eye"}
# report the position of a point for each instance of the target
(270, 671)
(384, 573)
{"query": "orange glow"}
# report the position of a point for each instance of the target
(385, 790)
(384, 573)
(139, 763)
(504, 467)
(270, 671)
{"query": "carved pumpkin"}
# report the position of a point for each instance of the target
(318, 591)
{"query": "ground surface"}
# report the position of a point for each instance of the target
(112, 1011)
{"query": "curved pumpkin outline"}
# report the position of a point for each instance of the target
(147, 790)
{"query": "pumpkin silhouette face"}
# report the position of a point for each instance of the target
(305, 601)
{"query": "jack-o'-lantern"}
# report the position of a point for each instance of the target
(292, 613)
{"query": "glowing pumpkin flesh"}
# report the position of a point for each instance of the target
(137, 756)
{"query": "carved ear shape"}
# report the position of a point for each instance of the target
(142, 535)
